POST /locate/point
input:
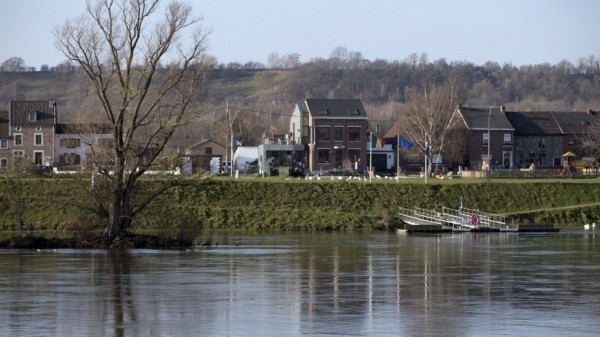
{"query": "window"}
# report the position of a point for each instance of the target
(354, 111)
(323, 133)
(3, 144)
(33, 116)
(339, 133)
(3, 163)
(571, 142)
(208, 150)
(69, 159)
(38, 139)
(486, 138)
(323, 156)
(323, 111)
(18, 153)
(542, 143)
(507, 139)
(70, 143)
(18, 139)
(18, 129)
(354, 134)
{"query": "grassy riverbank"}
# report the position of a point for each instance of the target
(256, 204)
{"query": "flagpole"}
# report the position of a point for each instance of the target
(398, 157)
(226, 137)
(230, 140)
(425, 152)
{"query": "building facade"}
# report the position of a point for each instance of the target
(27, 132)
(334, 132)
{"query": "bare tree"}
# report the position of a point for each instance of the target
(591, 139)
(146, 83)
(274, 61)
(429, 117)
(13, 64)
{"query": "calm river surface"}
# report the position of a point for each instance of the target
(323, 284)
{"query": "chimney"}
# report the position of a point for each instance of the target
(503, 109)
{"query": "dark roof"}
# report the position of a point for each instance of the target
(21, 112)
(204, 141)
(4, 127)
(549, 122)
(573, 122)
(336, 108)
(82, 128)
(395, 130)
(478, 118)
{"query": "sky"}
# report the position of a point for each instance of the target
(517, 32)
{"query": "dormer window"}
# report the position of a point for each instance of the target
(354, 111)
(324, 111)
(32, 116)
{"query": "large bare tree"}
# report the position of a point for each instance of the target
(146, 64)
(429, 117)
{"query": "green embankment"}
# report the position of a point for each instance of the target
(57, 204)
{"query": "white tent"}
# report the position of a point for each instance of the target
(243, 156)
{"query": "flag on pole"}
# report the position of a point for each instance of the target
(378, 143)
(235, 142)
(404, 143)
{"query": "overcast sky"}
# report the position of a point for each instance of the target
(504, 31)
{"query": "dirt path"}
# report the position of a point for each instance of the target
(553, 208)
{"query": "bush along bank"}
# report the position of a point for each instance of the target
(256, 204)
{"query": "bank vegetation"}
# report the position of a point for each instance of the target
(187, 205)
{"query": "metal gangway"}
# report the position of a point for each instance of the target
(417, 216)
(420, 216)
(475, 217)
(463, 219)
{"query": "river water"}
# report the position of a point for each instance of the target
(318, 284)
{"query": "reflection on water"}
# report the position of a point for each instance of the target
(376, 284)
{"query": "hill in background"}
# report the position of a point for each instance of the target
(263, 99)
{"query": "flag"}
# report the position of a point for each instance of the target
(404, 143)
(427, 146)
(378, 143)
(235, 142)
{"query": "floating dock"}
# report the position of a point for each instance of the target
(462, 220)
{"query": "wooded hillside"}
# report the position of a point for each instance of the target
(263, 99)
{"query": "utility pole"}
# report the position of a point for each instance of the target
(370, 156)
(226, 136)
(489, 144)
